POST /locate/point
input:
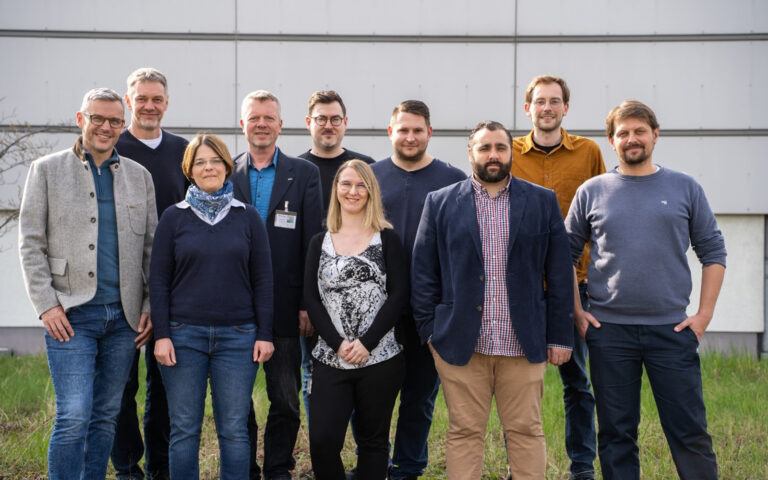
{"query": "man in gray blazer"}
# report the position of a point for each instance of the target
(85, 235)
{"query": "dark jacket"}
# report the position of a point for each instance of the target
(297, 182)
(448, 278)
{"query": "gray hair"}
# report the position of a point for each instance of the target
(260, 95)
(147, 74)
(106, 94)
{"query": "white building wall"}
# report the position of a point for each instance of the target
(700, 64)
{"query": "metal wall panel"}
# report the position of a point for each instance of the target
(689, 85)
(118, 15)
(740, 306)
(397, 17)
(462, 83)
(732, 170)
(369, 17)
(595, 17)
(51, 76)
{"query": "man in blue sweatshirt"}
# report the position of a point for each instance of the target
(406, 178)
(640, 219)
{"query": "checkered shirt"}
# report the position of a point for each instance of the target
(497, 336)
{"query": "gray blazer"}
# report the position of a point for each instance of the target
(58, 227)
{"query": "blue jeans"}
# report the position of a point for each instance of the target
(417, 403)
(129, 446)
(579, 405)
(306, 344)
(89, 374)
(223, 354)
(617, 355)
(283, 375)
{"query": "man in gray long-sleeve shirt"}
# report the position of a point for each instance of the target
(641, 218)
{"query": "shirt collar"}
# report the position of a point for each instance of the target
(114, 158)
(480, 189)
(528, 145)
(274, 159)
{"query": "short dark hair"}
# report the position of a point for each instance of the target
(214, 143)
(414, 107)
(488, 125)
(630, 109)
(325, 97)
(547, 79)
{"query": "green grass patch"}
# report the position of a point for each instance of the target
(735, 391)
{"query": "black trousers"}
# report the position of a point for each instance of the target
(371, 393)
(129, 447)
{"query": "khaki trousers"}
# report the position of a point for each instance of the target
(518, 386)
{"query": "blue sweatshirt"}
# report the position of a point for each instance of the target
(205, 274)
(640, 229)
(403, 193)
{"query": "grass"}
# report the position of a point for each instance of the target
(735, 390)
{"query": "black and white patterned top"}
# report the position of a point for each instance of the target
(352, 289)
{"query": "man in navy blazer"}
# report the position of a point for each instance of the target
(492, 294)
(286, 192)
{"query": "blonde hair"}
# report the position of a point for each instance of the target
(261, 96)
(374, 209)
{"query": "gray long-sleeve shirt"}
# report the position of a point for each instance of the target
(640, 228)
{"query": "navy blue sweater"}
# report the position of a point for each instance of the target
(205, 274)
(163, 162)
(404, 192)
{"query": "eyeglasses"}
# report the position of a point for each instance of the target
(213, 162)
(554, 103)
(322, 120)
(98, 120)
(345, 187)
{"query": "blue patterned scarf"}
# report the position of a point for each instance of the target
(210, 204)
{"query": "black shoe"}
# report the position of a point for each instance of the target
(584, 476)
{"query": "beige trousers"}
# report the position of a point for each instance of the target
(518, 386)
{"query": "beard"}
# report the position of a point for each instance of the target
(639, 158)
(546, 128)
(146, 123)
(485, 175)
(410, 158)
(326, 143)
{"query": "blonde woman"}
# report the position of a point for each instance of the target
(356, 284)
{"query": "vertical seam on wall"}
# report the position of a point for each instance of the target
(514, 82)
(237, 41)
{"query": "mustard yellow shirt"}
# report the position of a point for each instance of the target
(567, 166)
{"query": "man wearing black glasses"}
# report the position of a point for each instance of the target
(85, 235)
(327, 123)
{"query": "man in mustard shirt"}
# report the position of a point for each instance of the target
(550, 157)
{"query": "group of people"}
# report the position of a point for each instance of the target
(354, 281)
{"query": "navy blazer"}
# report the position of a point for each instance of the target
(448, 278)
(297, 181)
